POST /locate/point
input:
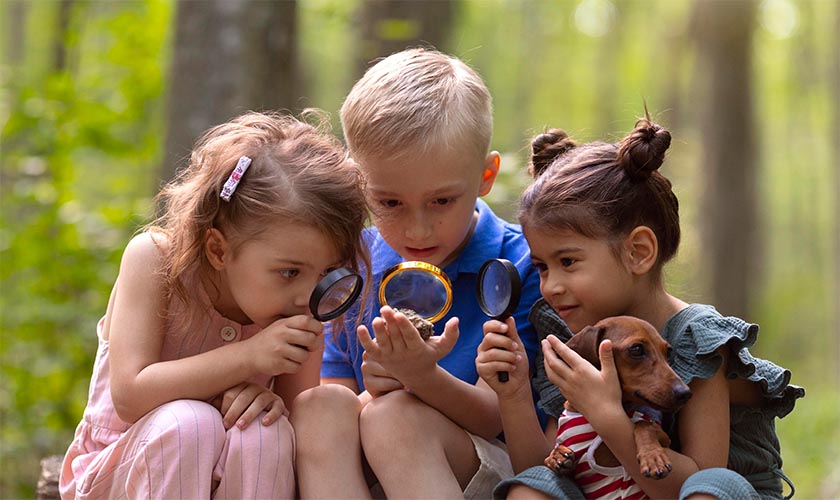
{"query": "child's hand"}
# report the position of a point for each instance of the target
(502, 350)
(586, 388)
(242, 403)
(400, 349)
(377, 380)
(285, 344)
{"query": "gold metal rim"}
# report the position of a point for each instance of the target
(423, 266)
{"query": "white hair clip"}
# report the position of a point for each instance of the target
(233, 181)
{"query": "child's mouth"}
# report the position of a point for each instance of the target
(421, 253)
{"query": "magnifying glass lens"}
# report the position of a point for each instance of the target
(335, 294)
(496, 288)
(417, 290)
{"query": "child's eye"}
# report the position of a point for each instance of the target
(444, 201)
(289, 273)
(567, 261)
(540, 267)
(389, 203)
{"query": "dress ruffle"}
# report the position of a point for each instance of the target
(698, 331)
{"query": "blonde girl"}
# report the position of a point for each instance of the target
(208, 336)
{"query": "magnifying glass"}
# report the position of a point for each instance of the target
(499, 289)
(419, 286)
(335, 293)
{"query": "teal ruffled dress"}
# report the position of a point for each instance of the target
(695, 333)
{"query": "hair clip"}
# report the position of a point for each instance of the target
(233, 181)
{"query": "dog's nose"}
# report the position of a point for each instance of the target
(682, 393)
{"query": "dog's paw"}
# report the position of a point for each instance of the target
(561, 460)
(654, 463)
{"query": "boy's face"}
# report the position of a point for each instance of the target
(424, 204)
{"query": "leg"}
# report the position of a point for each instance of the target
(257, 462)
(717, 483)
(415, 451)
(538, 482)
(329, 453)
(651, 442)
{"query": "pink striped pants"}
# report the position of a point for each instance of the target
(181, 450)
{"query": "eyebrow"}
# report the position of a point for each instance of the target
(443, 190)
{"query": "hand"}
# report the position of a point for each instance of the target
(400, 350)
(284, 345)
(589, 390)
(377, 380)
(502, 350)
(242, 403)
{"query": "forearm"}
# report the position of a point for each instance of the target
(200, 377)
(473, 408)
(526, 442)
(617, 432)
(289, 385)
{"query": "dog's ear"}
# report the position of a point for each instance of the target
(586, 342)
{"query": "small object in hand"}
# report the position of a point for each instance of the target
(424, 326)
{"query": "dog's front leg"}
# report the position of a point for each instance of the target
(561, 460)
(651, 442)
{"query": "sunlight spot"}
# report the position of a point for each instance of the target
(779, 17)
(595, 17)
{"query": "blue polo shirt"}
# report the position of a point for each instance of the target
(493, 238)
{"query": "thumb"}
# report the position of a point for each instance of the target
(446, 340)
(512, 333)
(605, 354)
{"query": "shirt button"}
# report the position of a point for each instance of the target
(228, 333)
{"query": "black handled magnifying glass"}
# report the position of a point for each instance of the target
(499, 288)
(335, 293)
(419, 286)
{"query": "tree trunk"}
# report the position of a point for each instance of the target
(729, 233)
(835, 78)
(228, 57)
(389, 26)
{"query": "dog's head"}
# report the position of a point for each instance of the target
(641, 360)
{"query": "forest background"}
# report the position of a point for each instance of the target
(101, 100)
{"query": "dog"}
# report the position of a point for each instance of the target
(641, 360)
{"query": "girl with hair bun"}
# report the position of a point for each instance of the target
(602, 221)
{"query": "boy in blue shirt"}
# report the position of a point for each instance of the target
(419, 125)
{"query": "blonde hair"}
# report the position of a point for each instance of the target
(417, 100)
(299, 173)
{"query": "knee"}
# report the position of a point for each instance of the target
(275, 441)
(192, 424)
(717, 483)
(386, 418)
(333, 402)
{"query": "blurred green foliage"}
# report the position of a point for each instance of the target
(81, 145)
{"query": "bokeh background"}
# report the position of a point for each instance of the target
(101, 100)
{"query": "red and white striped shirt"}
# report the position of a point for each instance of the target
(596, 481)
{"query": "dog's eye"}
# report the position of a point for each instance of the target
(637, 351)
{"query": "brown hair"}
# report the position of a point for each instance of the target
(603, 190)
(299, 173)
(416, 100)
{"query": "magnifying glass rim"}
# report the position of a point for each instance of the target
(422, 266)
(325, 284)
(515, 288)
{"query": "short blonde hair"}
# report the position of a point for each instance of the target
(417, 100)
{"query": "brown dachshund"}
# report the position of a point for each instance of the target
(646, 379)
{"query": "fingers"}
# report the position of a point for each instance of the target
(244, 402)
(446, 341)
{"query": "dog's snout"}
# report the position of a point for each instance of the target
(682, 393)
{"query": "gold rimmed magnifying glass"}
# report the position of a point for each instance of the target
(419, 286)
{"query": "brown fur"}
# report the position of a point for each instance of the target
(646, 379)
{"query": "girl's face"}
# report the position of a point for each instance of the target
(424, 205)
(272, 276)
(580, 277)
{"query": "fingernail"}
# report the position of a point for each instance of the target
(241, 424)
(515, 346)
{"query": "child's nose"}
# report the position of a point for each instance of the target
(419, 226)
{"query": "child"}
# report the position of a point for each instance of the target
(419, 125)
(602, 222)
(208, 326)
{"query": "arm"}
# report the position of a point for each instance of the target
(289, 385)
(503, 350)
(140, 381)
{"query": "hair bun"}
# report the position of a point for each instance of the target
(547, 147)
(643, 151)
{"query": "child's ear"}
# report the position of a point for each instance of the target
(642, 249)
(489, 173)
(216, 247)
